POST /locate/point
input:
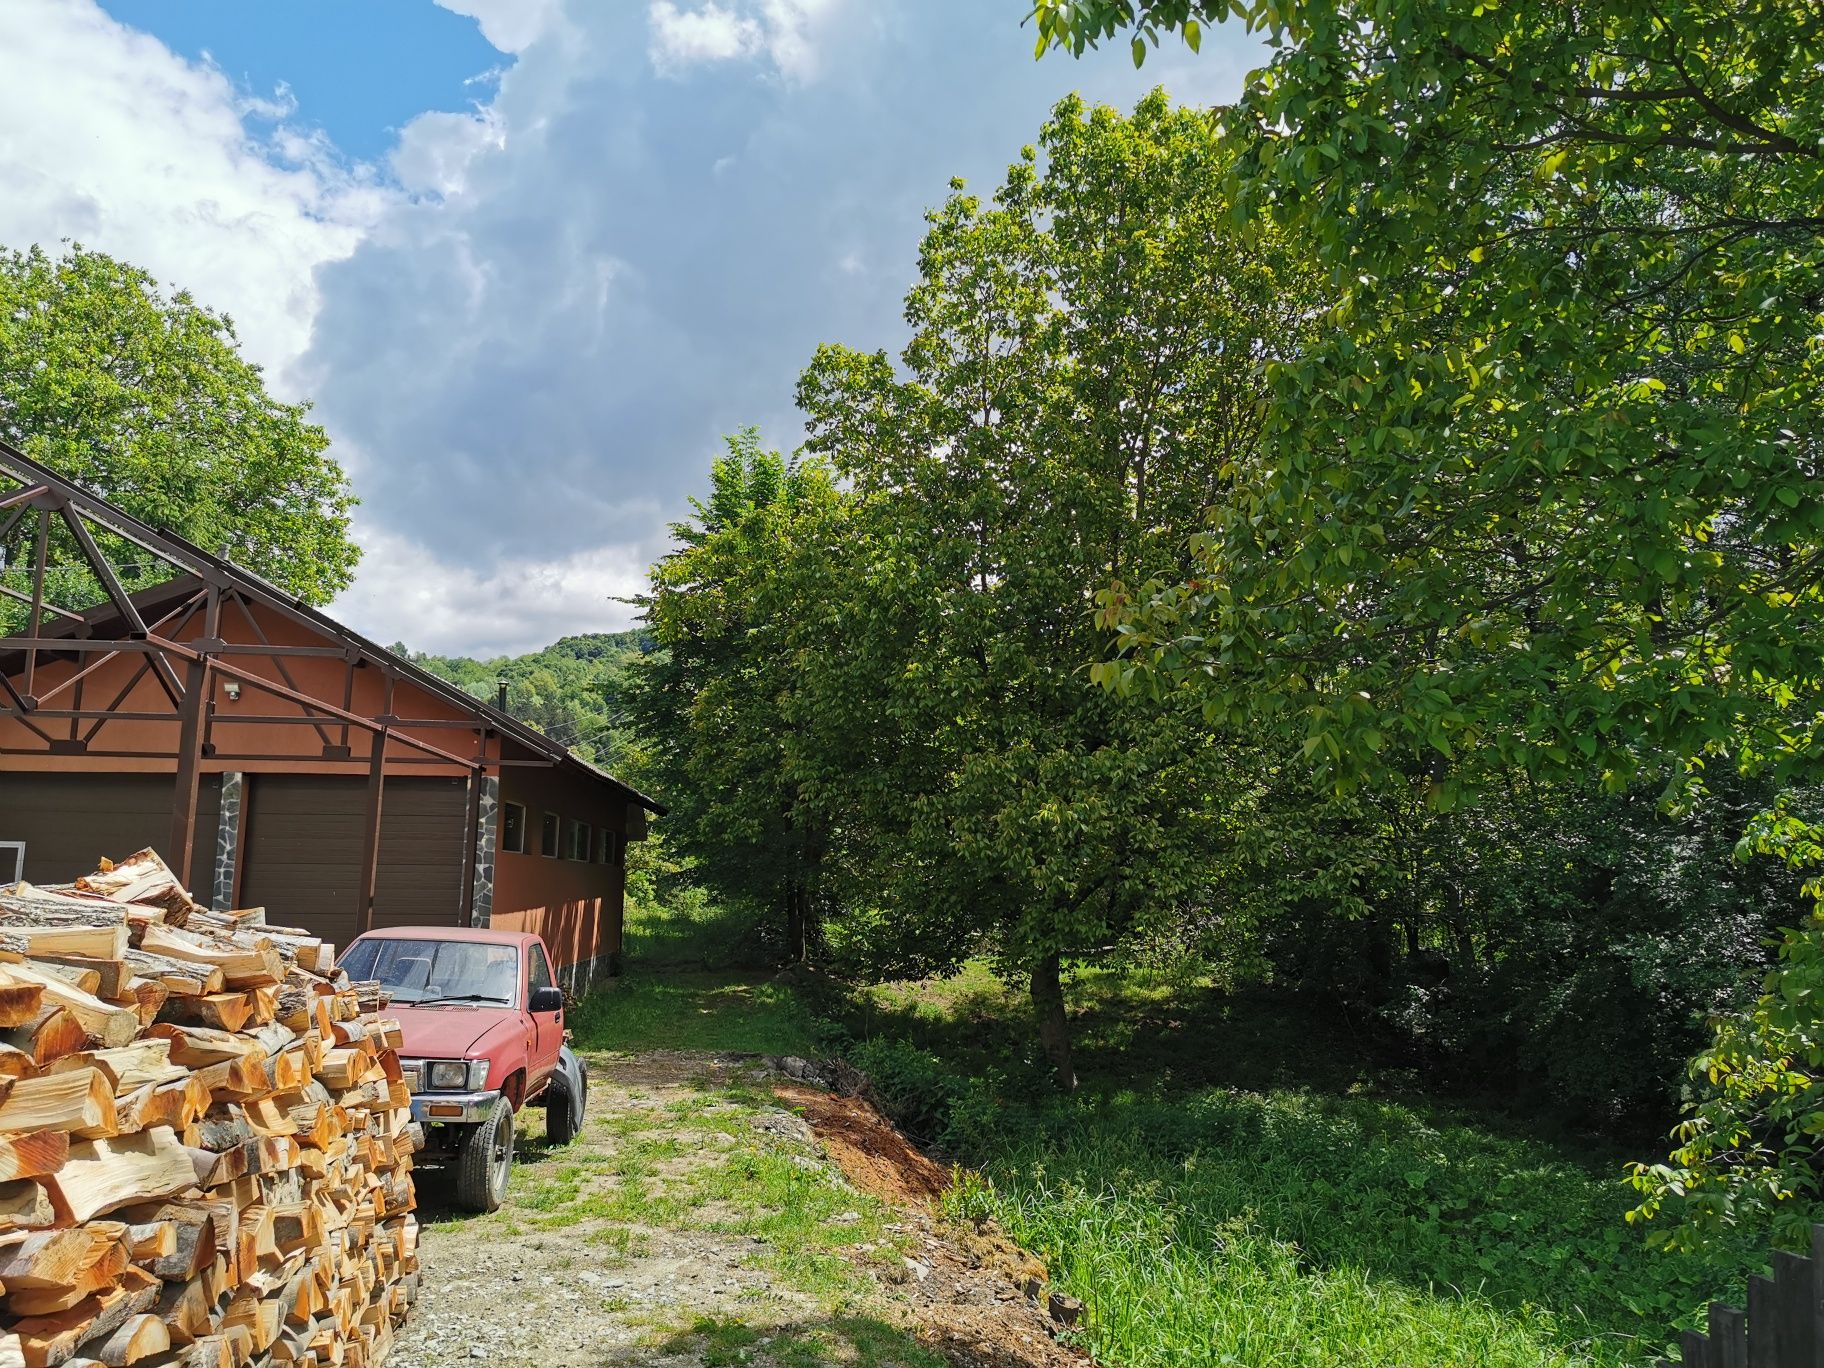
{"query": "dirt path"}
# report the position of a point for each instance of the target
(716, 1214)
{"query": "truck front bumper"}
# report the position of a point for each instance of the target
(445, 1108)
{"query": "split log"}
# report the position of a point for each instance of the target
(85, 1257)
(20, 1004)
(142, 878)
(136, 1338)
(80, 1101)
(241, 967)
(52, 1340)
(106, 978)
(32, 1155)
(25, 1205)
(103, 1174)
(131, 1066)
(219, 1011)
(96, 942)
(52, 1034)
(179, 976)
(105, 1022)
(26, 907)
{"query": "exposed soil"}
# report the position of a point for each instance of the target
(630, 1246)
(871, 1153)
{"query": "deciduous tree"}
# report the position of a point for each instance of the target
(1087, 364)
(146, 399)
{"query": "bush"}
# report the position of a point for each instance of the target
(928, 1099)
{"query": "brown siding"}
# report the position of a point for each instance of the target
(70, 821)
(303, 844)
(575, 906)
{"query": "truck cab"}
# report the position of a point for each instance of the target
(483, 1021)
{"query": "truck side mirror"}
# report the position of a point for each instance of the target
(546, 1000)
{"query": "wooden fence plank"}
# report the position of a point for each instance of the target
(1694, 1350)
(1792, 1310)
(1816, 1308)
(1764, 1346)
(1728, 1337)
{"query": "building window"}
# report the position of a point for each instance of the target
(547, 836)
(513, 828)
(605, 849)
(579, 840)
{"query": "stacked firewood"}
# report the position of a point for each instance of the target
(205, 1142)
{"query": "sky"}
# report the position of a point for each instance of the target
(530, 259)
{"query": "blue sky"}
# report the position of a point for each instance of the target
(359, 69)
(530, 258)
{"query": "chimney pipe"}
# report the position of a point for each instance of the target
(500, 693)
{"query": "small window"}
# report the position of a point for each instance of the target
(579, 840)
(513, 828)
(604, 851)
(547, 836)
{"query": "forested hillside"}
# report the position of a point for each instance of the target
(572, 691)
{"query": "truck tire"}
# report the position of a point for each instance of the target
(566, 1099)
(485, 1161)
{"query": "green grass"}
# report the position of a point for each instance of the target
(725, 1342)
(693, 1011)
(1239, 1184)
(684, 929)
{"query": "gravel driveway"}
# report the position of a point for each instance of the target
(701, 1219)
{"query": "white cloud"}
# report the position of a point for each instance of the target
(683, 38)
(782, 31)
(511, 25)
(110, 139)
(504, 607)
(527, 333)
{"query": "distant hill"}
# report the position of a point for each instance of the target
(570, 691)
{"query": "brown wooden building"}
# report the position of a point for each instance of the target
(279, 758)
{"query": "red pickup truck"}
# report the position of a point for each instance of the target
(483, 1020)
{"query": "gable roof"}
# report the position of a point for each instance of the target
(196, 566)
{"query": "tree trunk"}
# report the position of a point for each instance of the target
(797, 923)
(1054, 1031)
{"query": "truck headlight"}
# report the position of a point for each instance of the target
(447, 1075)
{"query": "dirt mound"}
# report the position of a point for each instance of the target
(976, 1293)
(867, 1147)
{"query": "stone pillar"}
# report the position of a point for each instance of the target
(487, 834)
(227, 843)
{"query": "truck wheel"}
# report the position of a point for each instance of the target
(566, 1099)
(485, 1161)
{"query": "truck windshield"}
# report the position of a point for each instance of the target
(427, 971)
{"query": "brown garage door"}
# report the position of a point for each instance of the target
(301, 854)
(69, 821)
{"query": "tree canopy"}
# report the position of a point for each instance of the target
(892, 678)
(146, 399)
(714, 702)
(1540, 496)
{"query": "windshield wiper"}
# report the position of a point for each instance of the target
(462, 997)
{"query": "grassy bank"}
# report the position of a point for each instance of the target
(1239, 1183)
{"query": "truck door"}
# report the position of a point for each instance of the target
(547, 1027)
